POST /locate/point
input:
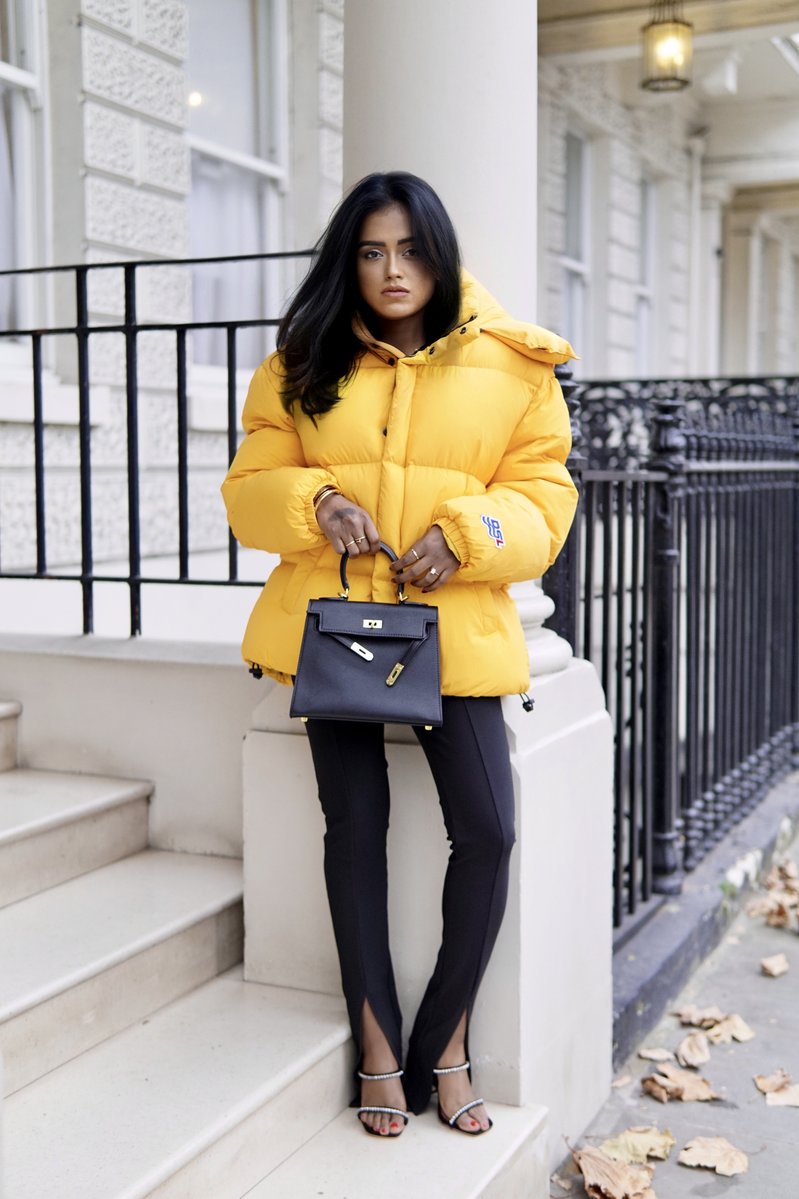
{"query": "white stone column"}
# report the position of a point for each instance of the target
(714, 198)
(742, 269)
(449, 91)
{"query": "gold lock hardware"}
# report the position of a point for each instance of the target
(396, 671)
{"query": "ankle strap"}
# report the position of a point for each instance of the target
(451, 1069)
(380, 1077)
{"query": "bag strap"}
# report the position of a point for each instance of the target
(342, 570)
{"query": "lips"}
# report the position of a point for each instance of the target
(395, 291)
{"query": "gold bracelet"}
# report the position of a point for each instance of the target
(323, 493)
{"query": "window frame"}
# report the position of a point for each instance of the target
(576, 273)
(270, 23)
(31, 176)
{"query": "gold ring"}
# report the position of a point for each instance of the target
(433, 570)
(360, 539)
(413, 551)
(346, 543)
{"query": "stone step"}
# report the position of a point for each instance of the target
(89, 957)
(428, 1161)
(9, 714)
(198, 1102)
(56, 826)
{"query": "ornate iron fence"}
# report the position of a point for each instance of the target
(680, 581)
(87, 335)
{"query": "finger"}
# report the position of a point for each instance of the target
(414, 572)
(440, 578)
(371, 533)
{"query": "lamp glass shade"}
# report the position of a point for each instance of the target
(668, 53)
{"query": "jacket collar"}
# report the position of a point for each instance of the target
(480, 313)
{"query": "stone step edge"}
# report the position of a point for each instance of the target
(129, 791)
(257, 1098)
(343, 1123)
(57, 986)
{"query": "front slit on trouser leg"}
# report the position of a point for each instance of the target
(470, 763)
(351, 771)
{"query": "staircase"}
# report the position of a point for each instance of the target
(138, 1062)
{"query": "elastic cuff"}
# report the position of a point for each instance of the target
(454, 539)
(321, 481)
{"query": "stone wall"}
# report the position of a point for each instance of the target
(627, 144)
(121, 177)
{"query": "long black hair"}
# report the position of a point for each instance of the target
(317, 346)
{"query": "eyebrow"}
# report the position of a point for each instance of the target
(401, 242)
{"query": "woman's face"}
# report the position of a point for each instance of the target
(392, 278)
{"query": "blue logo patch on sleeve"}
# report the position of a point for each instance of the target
(494, 530)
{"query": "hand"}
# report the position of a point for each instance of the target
(346, 526)
(429, 563)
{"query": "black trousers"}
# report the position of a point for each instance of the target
(469, 760)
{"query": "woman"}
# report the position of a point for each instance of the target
(403, 404)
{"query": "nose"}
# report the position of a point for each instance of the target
(393, 265)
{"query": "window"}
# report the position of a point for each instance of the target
(237, 138)
(576, 255)
(21, 178)
(644, 288)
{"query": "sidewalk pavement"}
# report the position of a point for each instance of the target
(731, 979)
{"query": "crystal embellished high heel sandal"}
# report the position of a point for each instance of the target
(452, 1121)
(388, 1111)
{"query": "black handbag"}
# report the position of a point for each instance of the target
(369, 661)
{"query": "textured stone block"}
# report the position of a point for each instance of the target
(133, 219)
(331, 154)
(165, 25)
(165, 159)
(331, 99)
(116, 13)
(109, 140)
(132, 78)
(331, 41)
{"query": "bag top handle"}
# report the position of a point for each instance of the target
(342, 570)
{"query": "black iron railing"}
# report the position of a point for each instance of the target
(680, 581)
(85, 333)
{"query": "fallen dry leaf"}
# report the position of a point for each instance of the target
(697, 1017)
(656, 1055)
(635, 1145)
(784, 1097)
(783, 875)
(622, 1080)
(606, 1179)
(731, 1028)
(672, 1083)
(714, 1153)
(772, 1082)
(779, 915)
(693, 1050)
(774, 966)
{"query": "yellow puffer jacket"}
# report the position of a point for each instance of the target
(470, 433)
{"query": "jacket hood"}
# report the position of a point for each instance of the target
(484, 313)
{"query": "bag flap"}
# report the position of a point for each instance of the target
(408, 621)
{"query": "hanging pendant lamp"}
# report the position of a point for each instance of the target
(667, 48)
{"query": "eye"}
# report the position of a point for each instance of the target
(371, 255)
(411, 252)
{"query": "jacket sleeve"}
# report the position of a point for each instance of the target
(515, 531)
(269, 489)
